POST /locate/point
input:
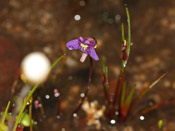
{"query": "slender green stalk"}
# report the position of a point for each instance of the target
(123, 94)
(123, 32)
(145, 91)
(105, 84)
(129, 32)
(129, 98)
(54, 64)
(24, 106)
(29, 96)
(5, 113)
(127, 44)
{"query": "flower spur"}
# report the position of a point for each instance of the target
(86, 45)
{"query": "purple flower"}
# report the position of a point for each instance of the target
(86, 45)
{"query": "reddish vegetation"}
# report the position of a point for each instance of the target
(9, 63)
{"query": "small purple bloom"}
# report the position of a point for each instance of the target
(86, 45)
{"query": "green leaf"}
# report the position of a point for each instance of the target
(130, 96)
(146, 90)
(151, 86)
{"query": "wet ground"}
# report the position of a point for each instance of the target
(46, 25)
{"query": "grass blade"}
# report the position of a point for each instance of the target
(146, 90)
(129, 32)
(123, 32)
(123, 94)
(5, 113)
(129, 98)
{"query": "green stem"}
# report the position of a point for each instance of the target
(128, 46)
(123, 32)
(129, 32)
(5, 113)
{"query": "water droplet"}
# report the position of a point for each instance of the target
(82, 95)
(110, 21)
(142, 118)
(44, 116)
(112, 122)
(82, 3)
(35, 122)
(56, 94)
(13, 105)
(63, 129)
(47, 96)
(58, 116)
(39, 105)
(77, 17)
(116, 113)
(75, 115)
(117, 18)
(70, 77)
(151, 103)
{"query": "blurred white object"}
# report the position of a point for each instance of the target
(35, 67)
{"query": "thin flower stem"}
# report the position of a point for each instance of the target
(105, 84)
(117, 93)
(87, 89)
(58, 106)
(105, 87)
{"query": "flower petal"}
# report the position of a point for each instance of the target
(83, 57)
(73, 44)
(93, 54)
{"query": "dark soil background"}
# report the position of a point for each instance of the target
(46, 25)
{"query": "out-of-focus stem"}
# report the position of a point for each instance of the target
(28, 97)
(24, 105)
